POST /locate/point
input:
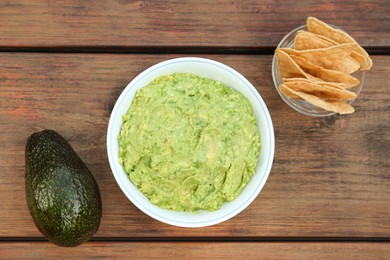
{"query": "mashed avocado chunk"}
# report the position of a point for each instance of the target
(189, 143)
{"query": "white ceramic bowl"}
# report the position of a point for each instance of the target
(213, 70)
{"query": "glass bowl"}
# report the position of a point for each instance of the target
(300, 105)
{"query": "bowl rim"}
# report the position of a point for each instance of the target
(115, 164)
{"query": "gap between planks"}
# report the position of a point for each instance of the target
(230, 50)
(215, 239)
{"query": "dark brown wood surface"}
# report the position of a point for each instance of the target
(63, 64)
(329, 178)
(198, 250)
(116, 24)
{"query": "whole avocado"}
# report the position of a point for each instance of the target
(62, 195)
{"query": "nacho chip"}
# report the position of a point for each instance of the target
(316, 26)
(322, 83)
(321, 91)
(306, 40)
(325, 74)
(333, 84)
(285, 90)
(350, 65)
(330, 105)
(289, 69)
(335, 57)
(361, 59)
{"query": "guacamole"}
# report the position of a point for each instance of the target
(189, 143)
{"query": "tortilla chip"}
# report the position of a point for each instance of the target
(321, 91)
(333, 84)
(316, 26)
(350, 65)
(360, 58)
(325, 74)
(329, 105)
(306, 40)
(289, 69)
(287, 93)
(323, 83)
(335, 57)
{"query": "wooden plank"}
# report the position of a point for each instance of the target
(130, 24)
(330, 175)
(188, 250)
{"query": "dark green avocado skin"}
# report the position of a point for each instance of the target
(62, 195)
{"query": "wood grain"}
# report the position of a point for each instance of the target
(130, 24)
(187, 250)
(330, 176)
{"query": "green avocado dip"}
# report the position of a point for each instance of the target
(189, 143)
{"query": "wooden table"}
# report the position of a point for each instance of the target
(63, 64)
